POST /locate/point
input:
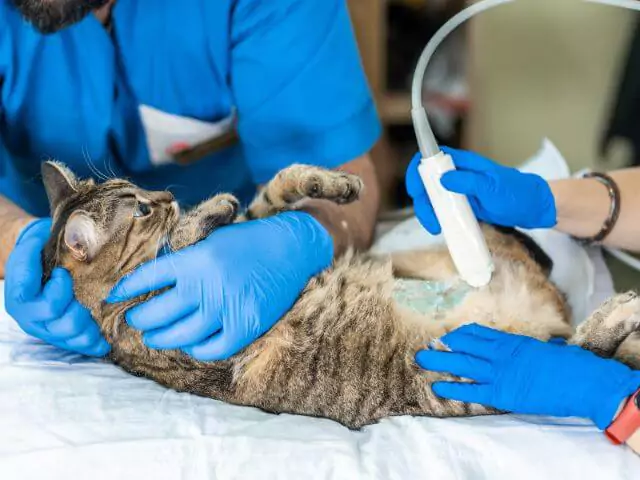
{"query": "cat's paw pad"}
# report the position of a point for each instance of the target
(222, 201)
(338, 187)
(228, 202)
(351, 188)
(624, 311)
(312, 186)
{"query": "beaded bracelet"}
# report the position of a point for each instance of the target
(614, 209)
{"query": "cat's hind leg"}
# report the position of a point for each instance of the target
(299, 182)
(629, 351)
(610, 326)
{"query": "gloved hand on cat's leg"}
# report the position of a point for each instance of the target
(228, 289)
(523, 375)
(50, 312)
(498, 195)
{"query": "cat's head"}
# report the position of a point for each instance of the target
(110, 227)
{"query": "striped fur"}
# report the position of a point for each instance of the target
(345, 350)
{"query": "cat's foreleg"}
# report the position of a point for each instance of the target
(198, 223)
(610, 325)
(299, 182)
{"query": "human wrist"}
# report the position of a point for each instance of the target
(620, 408)
(582, 206)
(13, 227)
(549, 206)
(562, 192)
(610, 406)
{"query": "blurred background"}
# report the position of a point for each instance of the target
(562, 69)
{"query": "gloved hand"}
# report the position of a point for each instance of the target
(51, 314)
(228, 289)
(498, 195)
(524, 375)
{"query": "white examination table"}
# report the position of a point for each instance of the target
(67, 418)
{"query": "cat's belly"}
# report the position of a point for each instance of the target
(429, 297)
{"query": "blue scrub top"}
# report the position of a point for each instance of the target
(289, 68)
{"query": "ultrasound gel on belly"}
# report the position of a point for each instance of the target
(429, 297)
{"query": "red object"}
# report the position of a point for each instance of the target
(627, 423)
(178, 147)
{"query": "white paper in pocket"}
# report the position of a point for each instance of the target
(169, 134)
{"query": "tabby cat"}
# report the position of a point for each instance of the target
(345, 350)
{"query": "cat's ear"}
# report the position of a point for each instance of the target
(59, 183)
(82, 237)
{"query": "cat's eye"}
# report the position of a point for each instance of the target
(142, 210)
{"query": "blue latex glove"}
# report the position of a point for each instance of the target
(50, 313)
(228, 289)
(498, 195)
(524, 375)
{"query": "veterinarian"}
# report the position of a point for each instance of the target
(520, 374)
(139, 89)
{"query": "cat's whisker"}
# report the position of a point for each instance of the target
(167, 236)
(115, 175)
(107, 165)
(161, 241)
(172, 251)
(173, 185)
(93, 171)
(91, 165)
(158, 247)
(172, 262)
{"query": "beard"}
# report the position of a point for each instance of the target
(50, 16)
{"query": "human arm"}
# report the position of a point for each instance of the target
(12, 220)
(47, 312)
(634, 442)
(504, 196)
(324, 116)
(523, 375)
(351, 225)
(583, 205)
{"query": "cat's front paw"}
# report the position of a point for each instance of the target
(221, 209)
(338, 187)
(197, 224)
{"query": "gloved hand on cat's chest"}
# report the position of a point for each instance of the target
(228, 289)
